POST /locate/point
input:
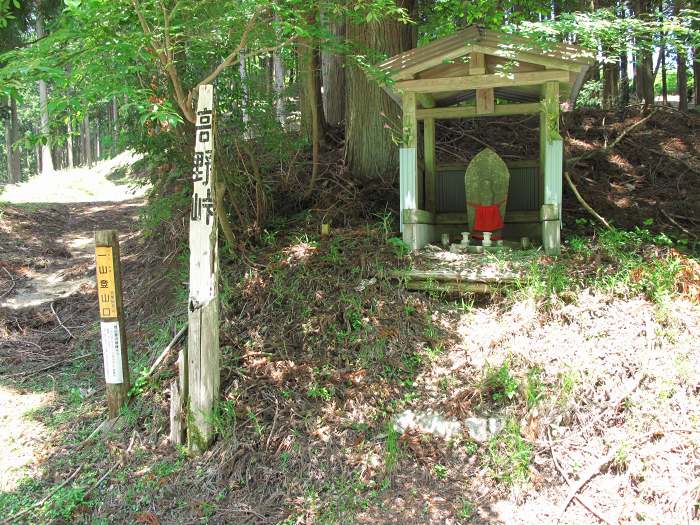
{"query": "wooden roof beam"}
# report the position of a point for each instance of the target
(441, 85)
(505, 51)
(426, 100)
(499, 110)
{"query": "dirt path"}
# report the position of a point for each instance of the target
(47, 300)
(48, 251)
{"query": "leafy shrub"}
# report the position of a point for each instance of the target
(499, 385)
(509, 455)
(590, 94)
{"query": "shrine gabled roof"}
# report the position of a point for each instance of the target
(504, 53)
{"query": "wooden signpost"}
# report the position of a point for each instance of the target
(113, 331)
(202, 359)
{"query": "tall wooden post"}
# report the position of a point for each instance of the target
(430, 168)
(408, 157)
(551, 166)
(112, 326)
(203, 336)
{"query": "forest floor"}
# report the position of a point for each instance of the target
(572, 397)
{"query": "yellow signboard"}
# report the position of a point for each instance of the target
(106, 290)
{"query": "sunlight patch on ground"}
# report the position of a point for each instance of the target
(107, 180)
(41, 288)
(21, 438)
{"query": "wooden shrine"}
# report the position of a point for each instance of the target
(473, 73)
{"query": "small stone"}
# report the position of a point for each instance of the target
(482, 429)
(428, 422)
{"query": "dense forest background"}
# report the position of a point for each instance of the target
(84, 80)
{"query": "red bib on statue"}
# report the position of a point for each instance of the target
(488, 218)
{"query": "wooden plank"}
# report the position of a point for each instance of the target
(507, 52)
(523, 44)
(554, 163)
(418, 235)
(418, 217)
(441, 55)
(426, 100)
(454, 69)
(496, 63)
(112, 320)
(410, 125)
(178, 395)
(408, 181)
(408, 158)
(439, 85)
(485, 101)
(203, 334)
(477, 64)
(450, 287)
(526, 163)
(500, 110)
(429, 156)
(467, 275)
(551, 237)
(176, 423)
(511, 217)
(549, 126)
(452, 166)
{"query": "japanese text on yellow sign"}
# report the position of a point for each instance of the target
(106, 291)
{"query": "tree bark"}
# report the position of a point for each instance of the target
(696, 76)
(624, 81)
(98, 152)
(611, 73)
(278, 77)
(244, 88)
(278, 74)
(69, 142)
(682, 78)
(333, 75)
(46, 160)
(87, 144)
(8, 150)
(664, 80)
(624, 98)
(645, 60)
(115, 127)
(11, 135)
(681, 66)
(311, 102)
(370, 150)
(37, 155)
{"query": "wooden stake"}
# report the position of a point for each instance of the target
(203, 336)
(112, 325)
(178, 393)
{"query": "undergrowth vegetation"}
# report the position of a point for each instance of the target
(624, 263)
(324, 351)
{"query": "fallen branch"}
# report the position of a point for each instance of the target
(590, 473)
(42, 501)
(675, 223)
(164, 353)
(31, 373)
(12, 286)
(111, 469)
(575, 160)
(581, 499)
(106, 426)
(61, 322)
(609, 457)
(572, 162)
(583, 202)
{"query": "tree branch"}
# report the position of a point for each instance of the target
(184, 102)
(231, 59)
